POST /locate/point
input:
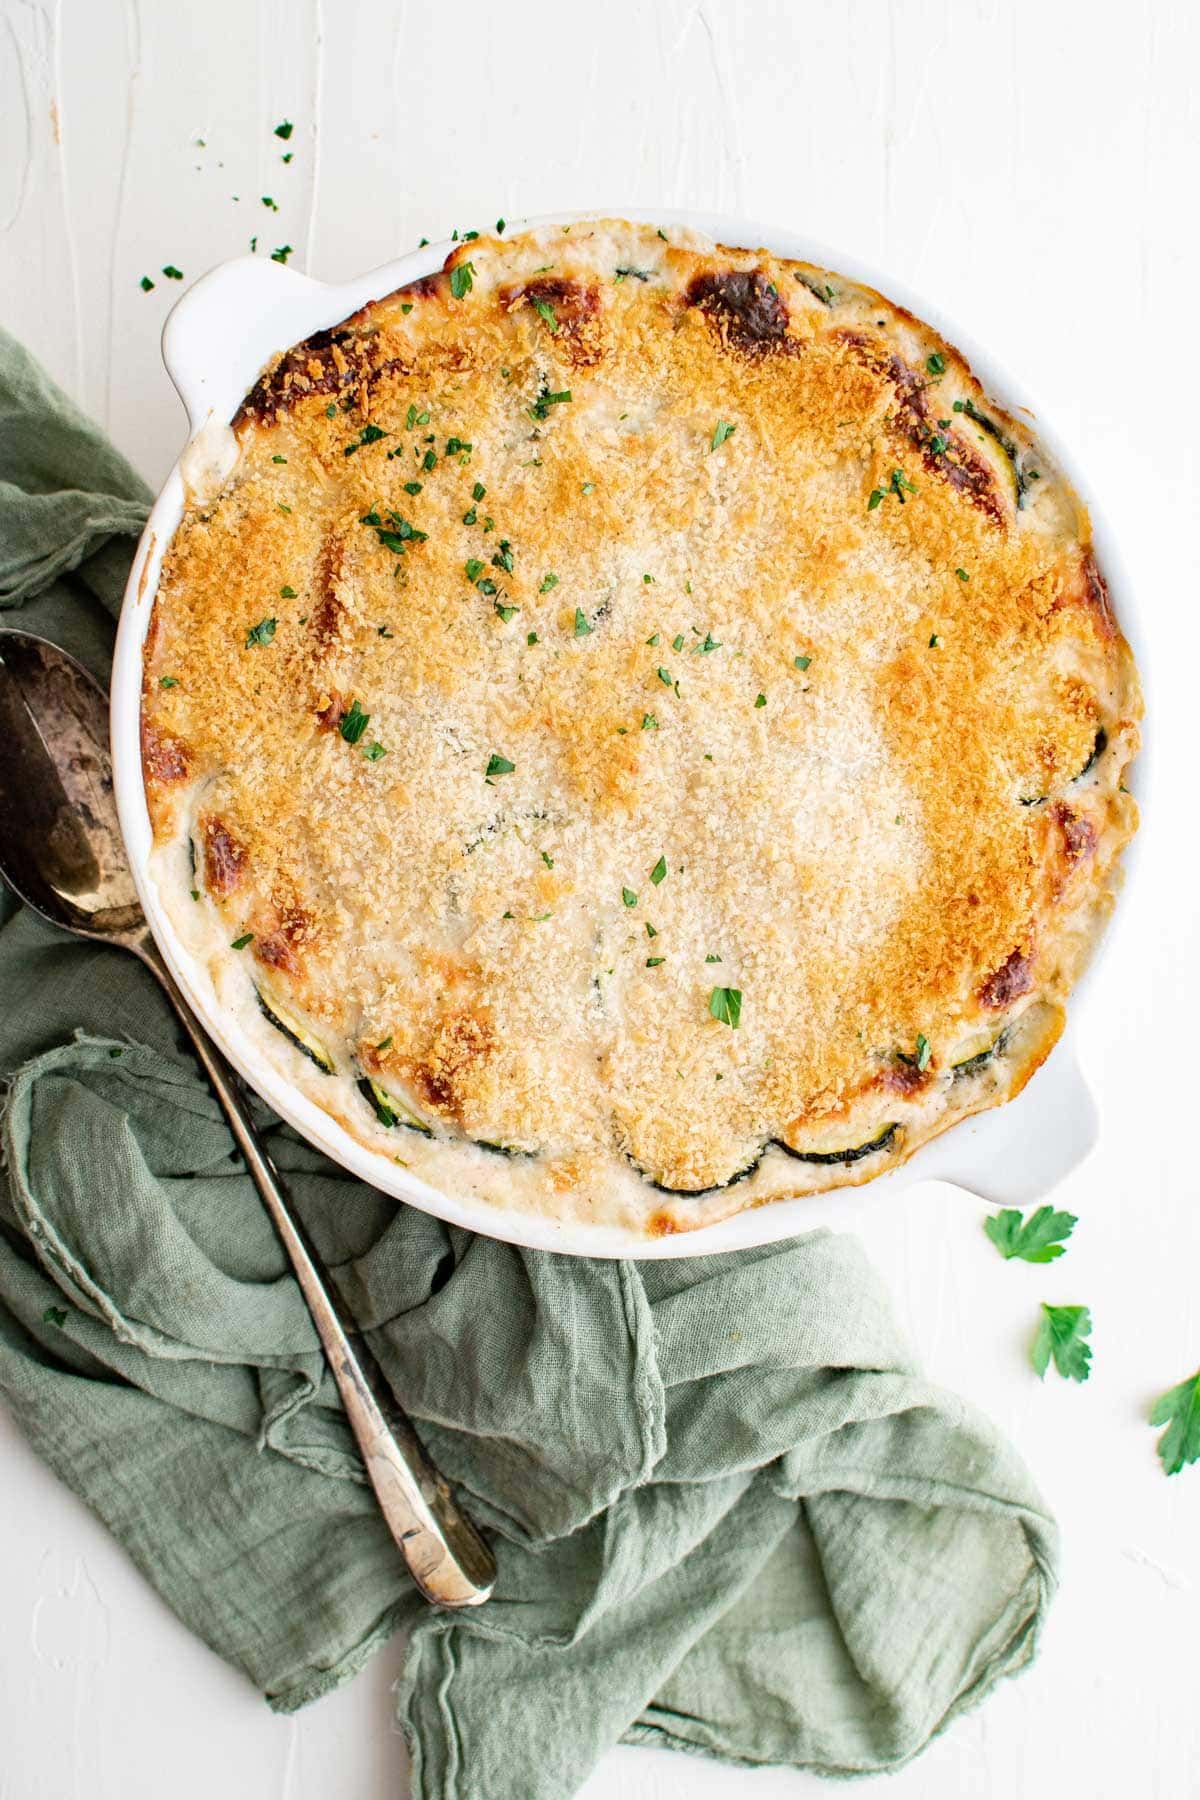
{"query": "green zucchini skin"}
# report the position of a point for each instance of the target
(1006, 444)
(501, 1149)
(884, 1141)
(1098, 749)
(383, 1109)
(973, 1064)
(699, 1193)
(315, 1051)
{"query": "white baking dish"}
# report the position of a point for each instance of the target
(216, 341)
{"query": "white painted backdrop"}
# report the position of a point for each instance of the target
(1034, 165)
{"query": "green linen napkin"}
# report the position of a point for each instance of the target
(730, 1515)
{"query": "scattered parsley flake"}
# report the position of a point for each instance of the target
(284, 129)
(374, 751)
(587, 487)
(168, 681)
(658, 873)
(279, 459)
(498, 765)
(628, 896)
(649, 722)
(650, 930)
(709, 645)
(1037, 1239)
(934, 641)
(923, 1052)
(287, 593)
(195, 893)
(172, 273)
(936, 364)
(725, 1004)
(499, 227)
(546, 312)
(761, 700)
(462, 279)
(507, 612)
(385, 1043)
(269, 203)
(723, 432)
(653, 640)
(473, 568)
(677, 643)
(547, 859)
(711, 958)
(331, 411)
(146, 284)
(262, 633)
(1061, 1335)
(875, 499)
(239, 943)
(532, 638)
(353, 722)
(1179, 1410)
(582, 628)
(801, 662)
(653, 962)
(281, 254)
(370, 434)
(548, 581)
(962, 574)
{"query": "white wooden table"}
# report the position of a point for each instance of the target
(1033, 164)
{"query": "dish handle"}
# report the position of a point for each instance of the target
(219, 335)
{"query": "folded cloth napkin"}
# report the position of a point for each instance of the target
(730, 1515)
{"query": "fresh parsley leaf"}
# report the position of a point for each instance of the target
(54, 1315)
(664, 675)
(279, 459)
(725, 1004)
(923, 1052)
(353, 723)
(875, 499)
(1037, 1239)
(146, 285)
(532, 638)
(650, 930)
(1061, 1335)
(172, 273)
(936, 364)
(239, 943)
(653, 962)
(761, 700)
(658, 873)
(474, 568)
(546, 312)
(168, 681)
(723, 432)
(373, 752)
(628, 896)
(547, 859)
(962, 574)
(801, 662)
(413, 487)
(287, 593)
(934, 641)
(709, 645)
(1179, 1410)
(677, 643)
(281, 254)
(498, 765)
(462, 279)
(499, 227)
(507, 612)
(271, 205)
(548, 581)
(582, 628)
(503, 558)
(370, 434)
(284, 129)
(262, 633)
(649, 722)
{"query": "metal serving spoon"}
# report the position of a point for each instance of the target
(61, 851)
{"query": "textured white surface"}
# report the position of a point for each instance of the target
(1033, 164)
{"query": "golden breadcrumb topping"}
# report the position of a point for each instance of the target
(642, 707)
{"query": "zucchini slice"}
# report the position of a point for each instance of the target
(387, 1108)
(1012, 455)
(849, 1153)
(494, 1149)
(977, 1059)
(296, 1033)
(660, 1187)
(1098, 749)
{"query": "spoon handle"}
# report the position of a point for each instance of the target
(446, 1556)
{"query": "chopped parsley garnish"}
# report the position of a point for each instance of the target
(709, 645)
(195, 893)
(462, 279)
(532, 638)
(474, 568)
(353, 723)
(801, 662)
(385, 1043)
(936, 364)
(723, 432)
(725, 1004)
(938, 444)
(548, 581)
(507, 612)
(761, 700)
(374, 751)
(413, 487)
(239, 943)
(406, 307)
(331, 411)
(653, 640)
(582, 628)
(478, 491)
(653, 962)
(677, 643)
(647, 579)
(1037, 1239)
(547, 859)
(262, 633)
(146, 284)
(282, 507)
(287, 593)
(499, 227)
(272, 205)
(923, 1052)
(471, 517)
(587, 487)
(541, 408)
(658, 873)
(284, 129)
(934, 641)
(875, 499)
(1061, 1335)
(1179, 1410)
(650, 930)
(900, 485)
(288, 157)
(649, 722)
(281, 254)
(962, 574)
(628, 896)
(371, 434)
(279, 459)
(711, 958)
(429, 460)
(546, 312)
(665, 676)
(172, 273)
(168, 681)
(498, 765)
(503, 558)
